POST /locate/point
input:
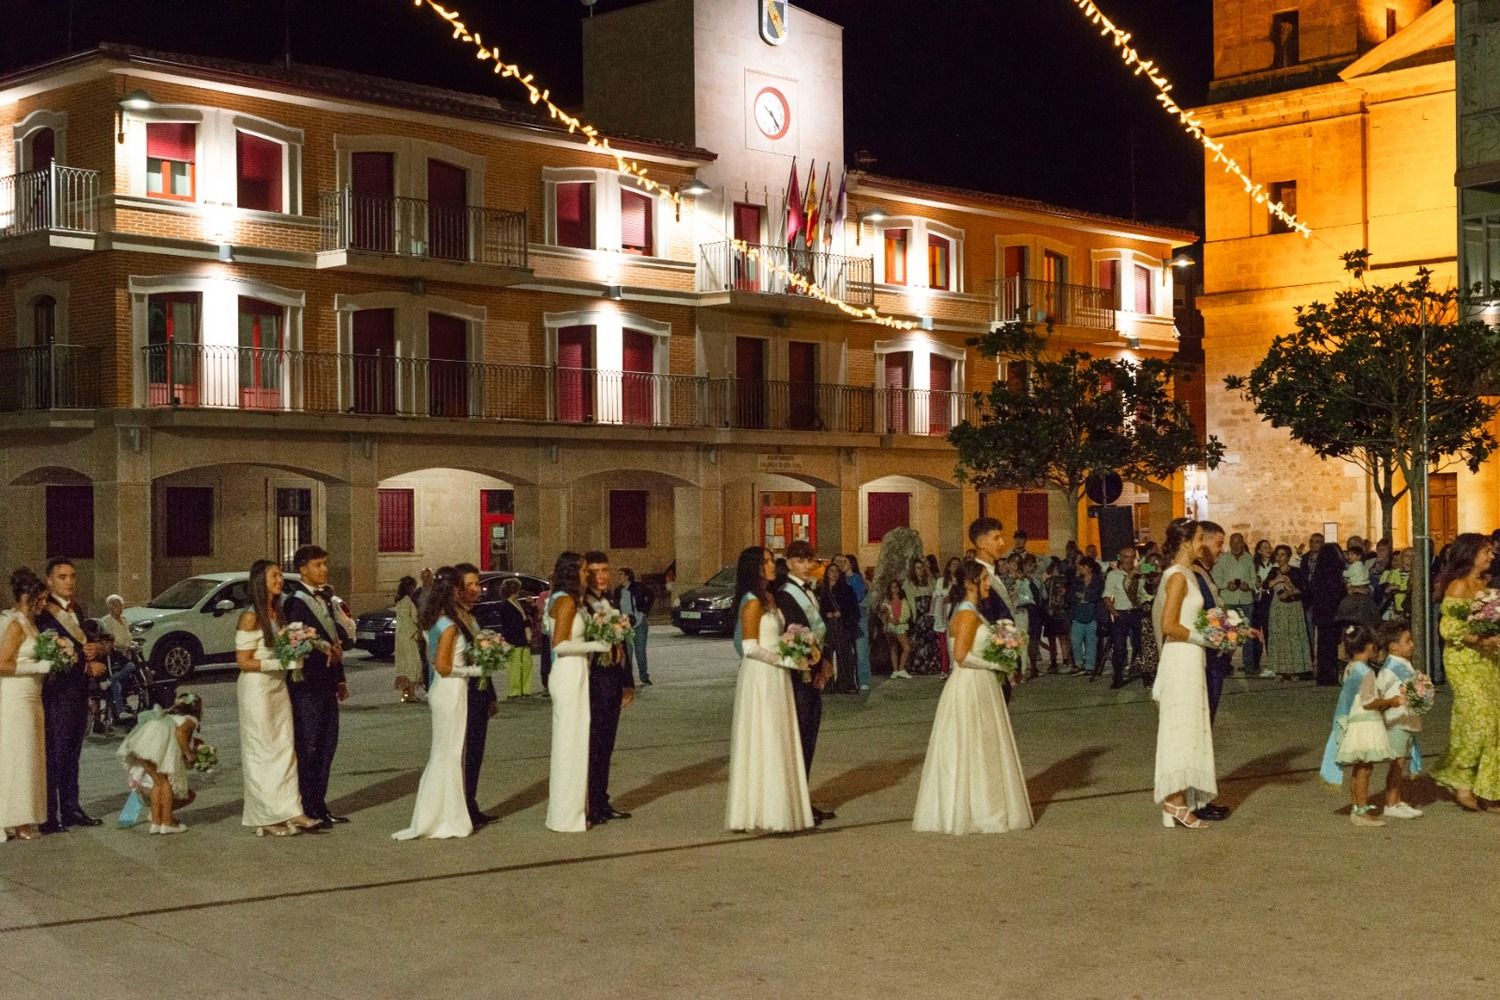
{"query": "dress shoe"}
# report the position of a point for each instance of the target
(597, 819)
(613, 813)
(1212, 812)
(819, 815)
(52, 826)
(330, 817)
(479, 820)
(645, 682)
(1116, 685)
(80, 818)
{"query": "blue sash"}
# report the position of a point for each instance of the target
(1330, 771)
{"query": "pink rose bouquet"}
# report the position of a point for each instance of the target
(1222, 629)
(488, 652)
(1004, 647)
(294, 643)
(799, 645)
(57, 650)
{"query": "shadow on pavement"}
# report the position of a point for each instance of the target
(1070, 772)
(400, 786)
(1271, 769)
(532, 795)
(684, 779)
(866, 779)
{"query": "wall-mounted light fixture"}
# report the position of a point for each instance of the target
(1181, 261)
(874, 216)
(226, 253)
(692, 188)
(136, 100)
(924, 322)
(614, 292)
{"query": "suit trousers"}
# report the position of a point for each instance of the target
(476, 733)
(1127, 626)
(65, 707)
(809, 702)
(1217, 667)
(315, 731)
(606, 693)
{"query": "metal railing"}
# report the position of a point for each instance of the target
(55, 198)
(1054, 301)
(56, 377)
(247, 378)
(724, 267)
(413, 227)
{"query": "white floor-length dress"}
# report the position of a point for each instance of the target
(1184, 734)
(440, 810)
(568, 686)
(767, 780)
(972, 781)
(23, 736)
(268, 755)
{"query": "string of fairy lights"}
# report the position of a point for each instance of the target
(542, 96)
(1189, 122)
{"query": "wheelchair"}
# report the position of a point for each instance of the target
(128, 688)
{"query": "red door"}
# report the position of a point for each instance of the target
(172, 336)
(374, 361)
(447, 211)
(802, 388)
(497, 516)
(447, 366)
(786, 517)
(1015, 294)
(372, 202)
(637, 378)
(261, 354)
(750, 382)
(747, 219)
(940, 395)
(897, 379)
(575, 374)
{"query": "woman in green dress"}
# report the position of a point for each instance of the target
(1471, 768)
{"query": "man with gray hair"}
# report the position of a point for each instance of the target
(1234, 574)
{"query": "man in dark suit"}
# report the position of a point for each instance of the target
(315, 699)
(799, 606)
(483, 704)
(989, 548)
(1217, 666)
(65, 701)
(611, 689)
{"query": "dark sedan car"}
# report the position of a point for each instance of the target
(709, 608)
(375, 631)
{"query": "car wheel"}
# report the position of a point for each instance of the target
(174, 657)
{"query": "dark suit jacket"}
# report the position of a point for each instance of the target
(297, 606)
(600, 661)
(73, 682)
(791, 611)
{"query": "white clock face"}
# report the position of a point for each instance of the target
(773, 115)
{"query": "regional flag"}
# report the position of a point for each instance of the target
(827, 215)
(794, 217)
(841, 207)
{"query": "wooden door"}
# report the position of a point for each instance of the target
(447, 211)
(575, 374)
(747, 227)
(447, 366)
(372, 202)
(750, 382)
(373, 365)
(802, 385)
(1442, 515)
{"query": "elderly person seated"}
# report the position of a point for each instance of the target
(123, 660)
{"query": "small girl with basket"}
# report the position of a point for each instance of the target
(157, 755)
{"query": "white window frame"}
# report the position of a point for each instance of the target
(921, 348)
(918, 229)
(609, 328)
(409, 166)
(1161, 279)
(215, 162)
(23, 131)
(604, 210)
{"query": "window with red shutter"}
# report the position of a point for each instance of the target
(575, 375)
(1031, 515)
(939, 262)
(447, 366)
(895, 256)
(940, 397)
(575, 215)
(447, 211)
(635, 224)
(637, 378)
(1142, 289)
(70, 522)
(397, 524)
(627, 519)
(885, 512)
(188, 527)
(1109, 280)
(897, 381)
(171, 154)
(258, 162)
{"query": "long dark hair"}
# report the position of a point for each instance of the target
(25, 584)
(969, 572)
(1328, 570)
(1179, 533)
(750, 577)
(440, 598)
(267, 612)
(405, 587)
(565, 576)
(1458, 561)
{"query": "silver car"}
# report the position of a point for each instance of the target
(191, 623)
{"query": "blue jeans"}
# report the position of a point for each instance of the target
(862, 657)
(1086, 644)
(642, 632)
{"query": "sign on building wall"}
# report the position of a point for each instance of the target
(780, 464)
(773, 21)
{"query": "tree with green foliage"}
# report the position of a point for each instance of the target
(1073, 415)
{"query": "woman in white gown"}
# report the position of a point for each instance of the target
(568, 684)
(440, 810)
(767, 780)
(23, 747)
(972, 780)
(1184, 737)
(268, 758)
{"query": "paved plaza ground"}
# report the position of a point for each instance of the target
(1286, 899)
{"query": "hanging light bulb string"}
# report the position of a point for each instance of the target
(575, 125)
(1190, 122)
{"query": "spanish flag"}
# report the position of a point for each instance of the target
(810, 210)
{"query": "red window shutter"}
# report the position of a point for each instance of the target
(941, 373)
(637, 388)
(575, 227)
(1031, 515)
(639, 351)
(938, 263)
(188, 528)
(896, 368)
(43, 150)
(259, 172)
(1109, 274)
(575, 355)
(1015, 262)
(447, 185)
(635, 223)
(895, 256)
(747, 222)
(70, 522)
(447, 337)
(172, 141)
(1142, 289)
(373, 174)
(939, 398)
(886, 512)
(397, 525)
(627, 519)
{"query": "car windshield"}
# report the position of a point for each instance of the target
(183, 594)
(723, 578)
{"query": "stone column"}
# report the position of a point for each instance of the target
(697, 534)
(953, 525)
(837, 516)
(123, 524)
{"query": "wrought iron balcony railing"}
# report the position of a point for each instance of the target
(56, 198)
(55, 377)
(413, 227)
(724, 267)
(1054, 301)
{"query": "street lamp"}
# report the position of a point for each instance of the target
(1182, 261)
(136, 100)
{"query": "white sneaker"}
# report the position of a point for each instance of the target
(1401, 811)
(1268, 674)
(179, 828)
(901, 674)
(1365, 819)
(155, 828)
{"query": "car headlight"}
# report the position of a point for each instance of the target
(722, 603)
(137, 628)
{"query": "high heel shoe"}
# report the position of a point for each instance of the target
(1180, 816)
(276, 831)
(304, 823)
(24, 833)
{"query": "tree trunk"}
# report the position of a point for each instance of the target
(1387, 514)
(1419, 599)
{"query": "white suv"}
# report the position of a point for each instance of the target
(191, 623)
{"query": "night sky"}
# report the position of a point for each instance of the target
(1019, 97)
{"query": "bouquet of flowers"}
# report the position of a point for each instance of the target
(488, 652)
(609, 626)
(1222, 630)
(293, 644)
(799, 645)
(1484, 614)
(1004, 647)
(207, 758)
(1420, 694)
(57, 650)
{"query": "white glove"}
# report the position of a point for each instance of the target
(756, 651)
(270, 664)
(976, 662)
(464, 670)
(27, 667)
(580, 647)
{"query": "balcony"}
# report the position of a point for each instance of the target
(380, 235)
(752, 282)
(46, 214)
(193, 376)
(1056, 302)
(57, 377)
